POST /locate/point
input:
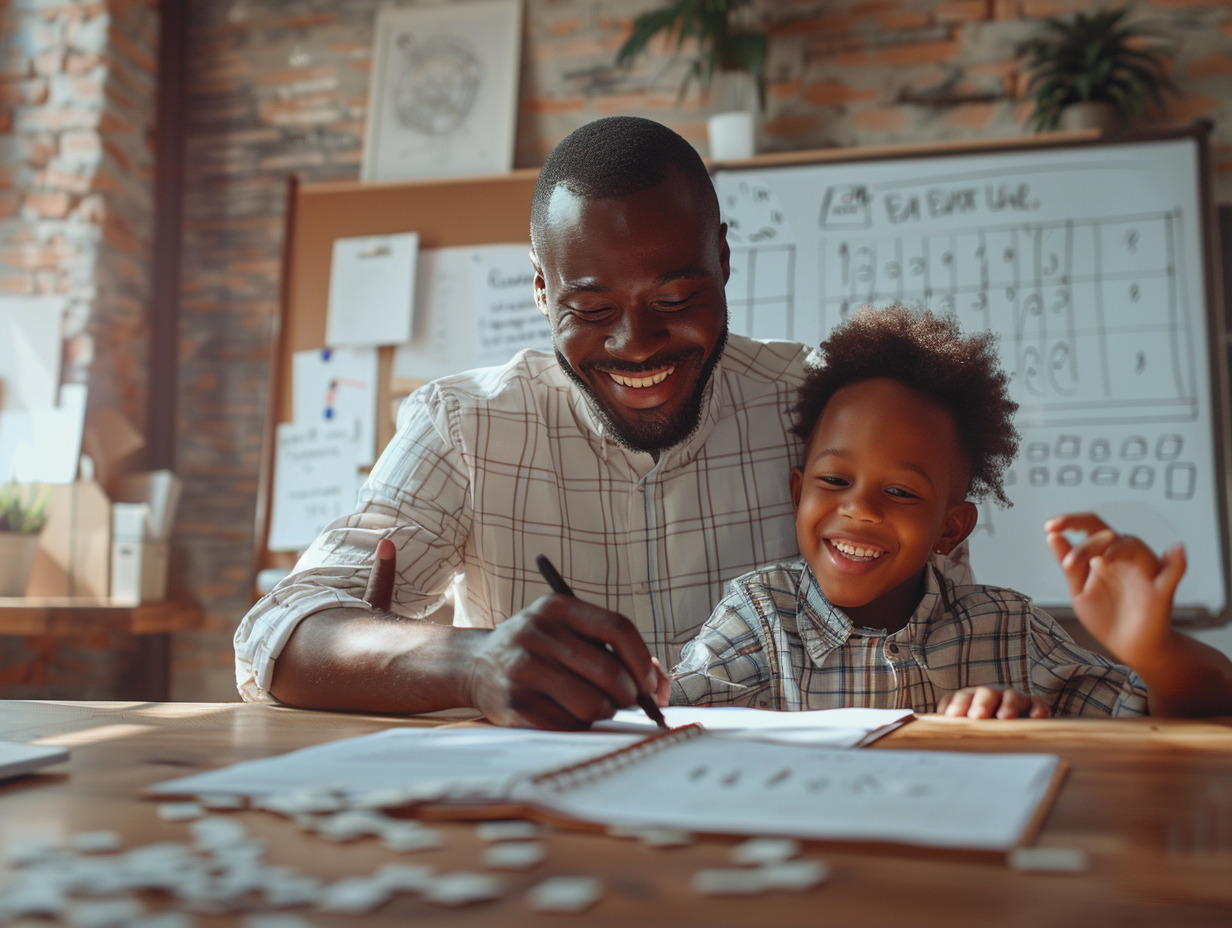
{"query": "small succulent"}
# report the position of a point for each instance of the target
(1097, 58)
(23, 508)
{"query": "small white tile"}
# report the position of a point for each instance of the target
(565, 894)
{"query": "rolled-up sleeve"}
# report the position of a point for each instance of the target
(727, 664)
(417, 495)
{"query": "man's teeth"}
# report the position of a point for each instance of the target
(639, 383)
(856, 552)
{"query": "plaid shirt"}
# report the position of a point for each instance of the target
(492, 467)
(776, 642)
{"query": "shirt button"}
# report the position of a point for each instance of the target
(893, 648)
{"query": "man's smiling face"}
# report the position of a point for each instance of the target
(633, 288)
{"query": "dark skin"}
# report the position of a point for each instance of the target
(633, 288)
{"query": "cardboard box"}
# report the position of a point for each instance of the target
(111, 546)
(74, 553)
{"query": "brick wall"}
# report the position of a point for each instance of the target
(77, 90)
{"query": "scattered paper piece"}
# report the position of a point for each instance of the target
(455, 889)
(1049, 859)
(565, 894)
(514, 855)
(765, 851)
(506, 831)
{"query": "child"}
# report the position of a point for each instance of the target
(907, 422)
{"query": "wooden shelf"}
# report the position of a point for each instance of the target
(65, 616)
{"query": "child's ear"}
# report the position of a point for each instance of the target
(959, 523)
(797, 482)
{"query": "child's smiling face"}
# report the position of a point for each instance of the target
(882, 487)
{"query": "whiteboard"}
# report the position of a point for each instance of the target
(1087, 260)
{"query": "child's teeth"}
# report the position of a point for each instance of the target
(855, 551)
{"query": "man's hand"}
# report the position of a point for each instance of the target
(992, 702)
(1122, 593)
(560, 663)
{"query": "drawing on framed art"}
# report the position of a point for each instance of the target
(442, 99)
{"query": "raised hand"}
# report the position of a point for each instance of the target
(1121, 591)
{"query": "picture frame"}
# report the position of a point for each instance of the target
(443, 93)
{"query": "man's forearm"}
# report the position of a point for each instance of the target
(351, 659)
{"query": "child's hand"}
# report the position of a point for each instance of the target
(987, 702)
(1121, 591)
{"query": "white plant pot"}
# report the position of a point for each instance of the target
(731, 135)
(1102, 116)
(16, 557)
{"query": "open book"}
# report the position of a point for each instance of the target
(685, 778)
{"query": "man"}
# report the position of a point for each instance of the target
(647, 459)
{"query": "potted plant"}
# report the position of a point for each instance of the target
(1098, 62)
(730, 46)
(23, 513)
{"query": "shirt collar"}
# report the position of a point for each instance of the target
(824, 626)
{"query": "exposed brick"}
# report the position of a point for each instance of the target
(631, 102)
(47, 205)
(1187, 4)
(902, 19)
(555, 105)
(1210, 66)
(961, 11)
(878, 120)
(28, 92)
(790, 127)
(830, 93)
(918, 53)
(1006, 9)
(972, 116)
(1045, 9)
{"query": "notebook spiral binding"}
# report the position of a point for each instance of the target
(585, 771)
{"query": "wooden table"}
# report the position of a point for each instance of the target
(1150, 802)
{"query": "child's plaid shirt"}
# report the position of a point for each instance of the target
(776, 642)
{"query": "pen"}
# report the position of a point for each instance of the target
(558, 585)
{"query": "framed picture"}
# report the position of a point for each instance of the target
(444, 90)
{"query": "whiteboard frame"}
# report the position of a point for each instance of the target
(1218, 336)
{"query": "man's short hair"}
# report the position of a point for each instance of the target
(618, 156)
(929, 354)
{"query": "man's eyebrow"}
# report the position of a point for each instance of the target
(591, 286)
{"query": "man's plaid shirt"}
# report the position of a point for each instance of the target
(776, 642)
(492, 467)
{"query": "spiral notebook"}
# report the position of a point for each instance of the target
(692, 780)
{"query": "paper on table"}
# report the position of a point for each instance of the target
(929, 798)
(847, 727)
(17, 759)
(315, 482)
(337, 386)
(30, 348)
(473, 760)
(371, 290)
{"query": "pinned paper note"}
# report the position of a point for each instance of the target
(315, 481)
(337, 387)
(475, 307)
(30, 345)
(371, 290)
(44, 445)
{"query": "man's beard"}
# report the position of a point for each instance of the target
(652, 431)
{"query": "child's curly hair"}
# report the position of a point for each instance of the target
(929, 354)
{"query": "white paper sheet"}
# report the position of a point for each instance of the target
(371, 290)
(835, 728)
(475, 306)
(30, 348)
(338, 386)
(471, 759)
(315, 482)
(44, 445)
(708, 784)
(17, 759)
